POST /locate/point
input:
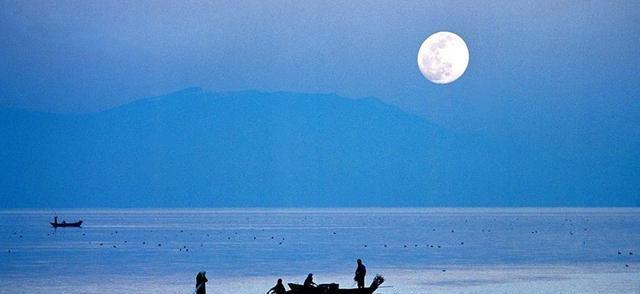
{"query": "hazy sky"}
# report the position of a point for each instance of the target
(540, 71)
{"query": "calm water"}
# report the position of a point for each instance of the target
(160, 251)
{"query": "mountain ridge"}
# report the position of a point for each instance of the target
(193, 148)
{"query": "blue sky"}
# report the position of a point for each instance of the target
(554, 74)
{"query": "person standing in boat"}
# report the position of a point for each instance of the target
(278, 288)
(361, 271)
(55, 219)
(308, 282)
(201, 280)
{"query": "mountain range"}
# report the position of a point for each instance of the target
(194, 148)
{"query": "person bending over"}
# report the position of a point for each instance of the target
(278, 288)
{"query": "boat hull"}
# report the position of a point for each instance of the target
(67, 225)
(326, 289)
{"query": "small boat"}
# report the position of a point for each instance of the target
(66, 224)
(335, 288)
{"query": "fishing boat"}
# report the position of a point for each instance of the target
(65, 224)
(335, 288)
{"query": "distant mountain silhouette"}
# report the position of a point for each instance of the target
(198, 149)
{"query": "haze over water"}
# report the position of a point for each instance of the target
(572, 250)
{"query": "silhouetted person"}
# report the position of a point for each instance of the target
(55, 219)
(201, 280)
(361, 271)
(308, 282)
(278, 288)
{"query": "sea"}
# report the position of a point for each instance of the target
(417, 250)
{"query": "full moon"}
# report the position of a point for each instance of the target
(443, 57)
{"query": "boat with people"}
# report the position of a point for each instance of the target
(309, 287)
(335, 288)
(65, 224)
